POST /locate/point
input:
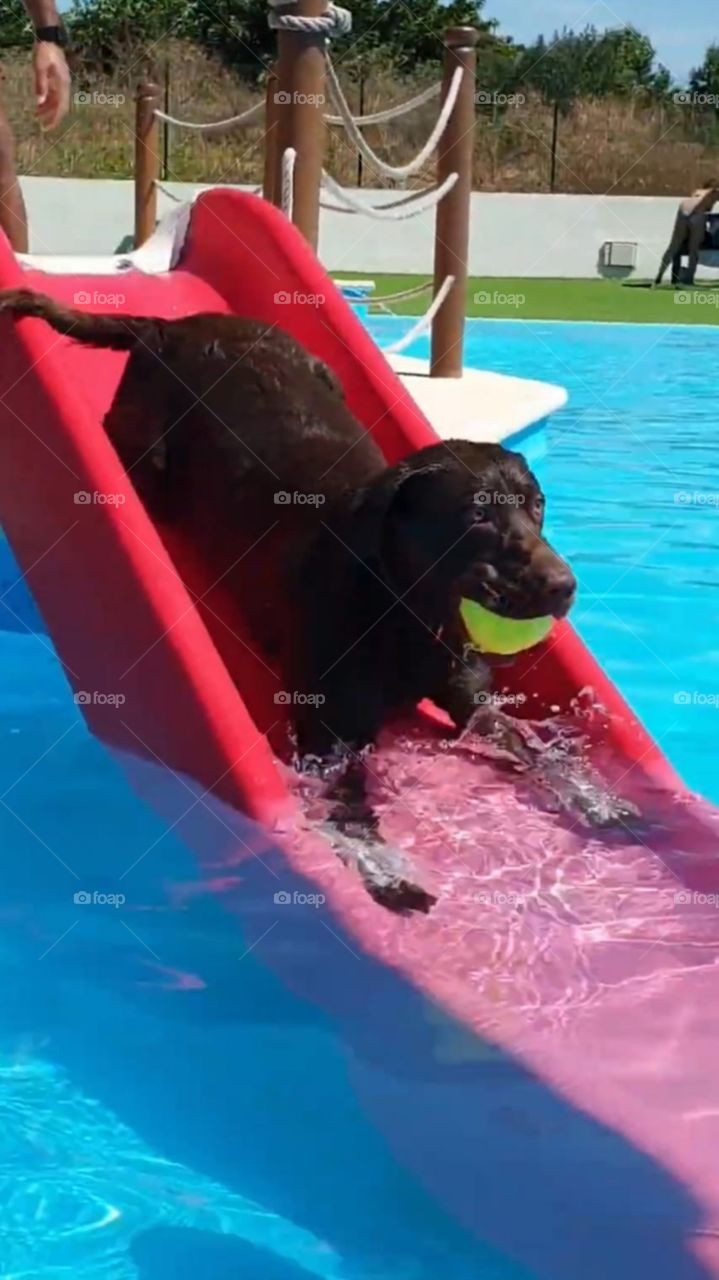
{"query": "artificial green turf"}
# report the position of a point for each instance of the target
(563, 299)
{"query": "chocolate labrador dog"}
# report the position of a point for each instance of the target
(349, 572)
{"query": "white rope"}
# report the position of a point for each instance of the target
(413, 166)
(423, 324)
(397, 210)
(288, 182)
(335, 22)
(214, 125)
(391, 113)
(414, 292)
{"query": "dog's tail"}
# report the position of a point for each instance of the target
(120, 332)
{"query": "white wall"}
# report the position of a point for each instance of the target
(511, 235)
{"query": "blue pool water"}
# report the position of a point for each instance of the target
(631, 469)
(168, 1109)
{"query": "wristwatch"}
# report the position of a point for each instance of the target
(52, 35)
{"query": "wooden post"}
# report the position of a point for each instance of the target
(451, 245)
(147, 161)
(270, 189)
(302, 76)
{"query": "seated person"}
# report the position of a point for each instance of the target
(688, 233)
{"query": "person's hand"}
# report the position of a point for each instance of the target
(52, 83)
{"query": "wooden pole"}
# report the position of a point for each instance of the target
(270, 188)
(451, 245)
(147, 161)
(302, 76)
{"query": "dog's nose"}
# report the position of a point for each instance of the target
(559, 588)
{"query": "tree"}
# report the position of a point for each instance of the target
(705, 79)
(14, 24)
(237, 30)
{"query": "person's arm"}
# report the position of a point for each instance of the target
(52, 75)
(42, 13)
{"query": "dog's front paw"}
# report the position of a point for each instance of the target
(384, 870)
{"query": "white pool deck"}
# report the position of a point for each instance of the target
(481, 406)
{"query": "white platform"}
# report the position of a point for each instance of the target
(481, 406)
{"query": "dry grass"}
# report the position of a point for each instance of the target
(618, 146)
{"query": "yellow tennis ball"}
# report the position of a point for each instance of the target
(489, 633)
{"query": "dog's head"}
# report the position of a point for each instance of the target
(462, 519)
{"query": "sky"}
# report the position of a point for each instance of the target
(680, 32)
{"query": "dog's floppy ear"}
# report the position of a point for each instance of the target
(393, 493)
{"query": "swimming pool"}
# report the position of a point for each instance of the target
(631, 470)
(170, 1110)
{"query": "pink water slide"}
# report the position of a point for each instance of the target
(541, 1050)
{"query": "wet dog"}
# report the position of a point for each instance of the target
(349, 572)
